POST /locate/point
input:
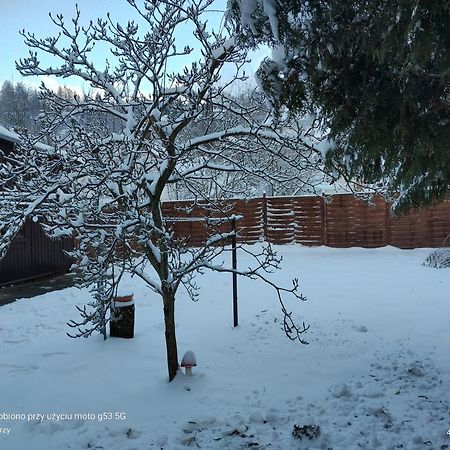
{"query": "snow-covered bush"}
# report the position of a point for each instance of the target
(439, 258)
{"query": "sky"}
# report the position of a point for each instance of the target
(32, 15)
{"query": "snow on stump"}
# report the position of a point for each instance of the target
(122, 317)
(188, 362)
(439, 258)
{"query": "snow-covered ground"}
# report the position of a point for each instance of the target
(375, 375)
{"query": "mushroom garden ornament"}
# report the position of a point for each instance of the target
(188, 362)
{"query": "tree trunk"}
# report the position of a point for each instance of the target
(171, 340)
(162, 266)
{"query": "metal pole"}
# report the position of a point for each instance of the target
(234, 266)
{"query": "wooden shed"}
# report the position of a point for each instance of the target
(32, 254)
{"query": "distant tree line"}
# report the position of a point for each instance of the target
(19, 106)
(23, 107)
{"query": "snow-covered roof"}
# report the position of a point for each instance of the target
(10, 136)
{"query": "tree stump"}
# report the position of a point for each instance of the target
(121, 323)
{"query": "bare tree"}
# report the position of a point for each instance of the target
(285, 170)
(105, 187)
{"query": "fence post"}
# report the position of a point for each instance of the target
(387, 223)
(324, 221)
(264, 215)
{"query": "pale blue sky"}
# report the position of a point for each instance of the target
(32, 15)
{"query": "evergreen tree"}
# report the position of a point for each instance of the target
(20, 106)
(7, 101)
(376, 74)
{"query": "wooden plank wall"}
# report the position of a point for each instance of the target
(352, 222)
(337, 221)
(32, 254)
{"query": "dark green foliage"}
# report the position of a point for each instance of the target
(377, 74)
